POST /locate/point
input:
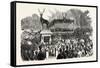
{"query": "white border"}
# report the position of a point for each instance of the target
(26, 9)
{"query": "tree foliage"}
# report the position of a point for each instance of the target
(31, 22)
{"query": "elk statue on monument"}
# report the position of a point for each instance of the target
(42, 20)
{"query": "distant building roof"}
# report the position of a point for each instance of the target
(64, 26)
(64, 23)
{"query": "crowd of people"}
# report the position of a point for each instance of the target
(29, 51)
(76, 48)
(63, 49)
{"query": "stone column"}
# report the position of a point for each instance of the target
(50, 40)
(42, 39)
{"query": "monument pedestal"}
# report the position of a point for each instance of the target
(46, 36)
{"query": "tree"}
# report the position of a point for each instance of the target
(85, 20)
(31, 23)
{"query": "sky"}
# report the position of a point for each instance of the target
(26, 9)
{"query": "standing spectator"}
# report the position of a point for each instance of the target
(60, 55)
(25, 48)
(41, 55)
(67, 51)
